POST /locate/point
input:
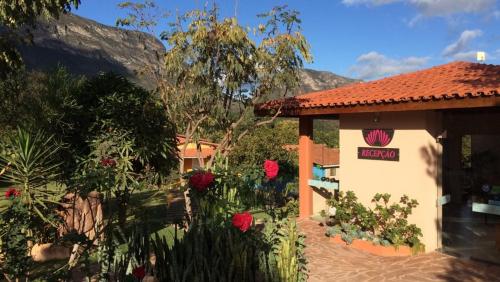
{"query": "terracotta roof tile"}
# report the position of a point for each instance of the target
(455, 80)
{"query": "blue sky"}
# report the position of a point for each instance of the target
(366, 39)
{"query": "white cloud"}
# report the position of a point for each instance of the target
(374, 65)
(368, 2)
(462, 44)
(435, 8)
(466, 56)
(432, 8)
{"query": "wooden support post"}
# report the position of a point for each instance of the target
(305, 166)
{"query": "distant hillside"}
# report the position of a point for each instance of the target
(87, 47)
(313, 80)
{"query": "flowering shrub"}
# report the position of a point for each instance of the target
(271, 168)
(12, 193)
(108, 162)
(242, 221)
(201, 180)
(220, 244)
(139, 272)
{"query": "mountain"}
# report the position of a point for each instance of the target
(86, 47)
(314, 80)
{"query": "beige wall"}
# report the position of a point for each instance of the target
(319, 202)
(416, 174)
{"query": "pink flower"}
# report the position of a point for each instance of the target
(271, 168)
(12, 193)
(242, 221)
(201, 180)
(139, 272)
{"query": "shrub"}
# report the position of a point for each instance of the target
(385, 224)
(392, 220)
(219, 252)
(350, 211)
(221, 243)
(14, 223)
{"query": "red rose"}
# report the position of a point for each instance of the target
(12, 193)
(242, 221)
(201, 180)
(139, 272)
(108, 162)
(271, 168)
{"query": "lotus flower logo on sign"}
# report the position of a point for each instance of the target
(378, 138)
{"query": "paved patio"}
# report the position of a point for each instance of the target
(330, 262)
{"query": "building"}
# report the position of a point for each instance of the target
(195, 154)
(408, 134)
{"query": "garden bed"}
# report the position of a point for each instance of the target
(378, 250)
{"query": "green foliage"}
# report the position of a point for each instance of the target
(215, 72)
(78, 111)
(112, 103)
(349, 232)
(30, 162)
(267, 142)
(17, 13)
(392, 220)
(326, 132)
(14, 223)
(385, 224)
(333, 231)
(288, 250)
(349, 210)
(213, 251)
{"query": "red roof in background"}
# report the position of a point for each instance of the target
(450, 81)
(322, 154)
(192, 153)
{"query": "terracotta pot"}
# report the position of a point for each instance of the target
(337, 240)
(379, 250)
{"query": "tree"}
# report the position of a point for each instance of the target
(16, 14)
(77, 111)
(214, 72)
(268, 142)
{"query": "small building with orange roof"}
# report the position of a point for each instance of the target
(408, 135)
(195, 154)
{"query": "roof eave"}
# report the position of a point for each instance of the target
(455, 103)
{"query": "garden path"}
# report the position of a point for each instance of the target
(331, 262)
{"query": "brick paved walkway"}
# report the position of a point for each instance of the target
(330, 262)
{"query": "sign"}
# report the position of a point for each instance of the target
(378, 139)
(382, 154)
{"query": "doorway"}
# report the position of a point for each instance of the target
(471, 180)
